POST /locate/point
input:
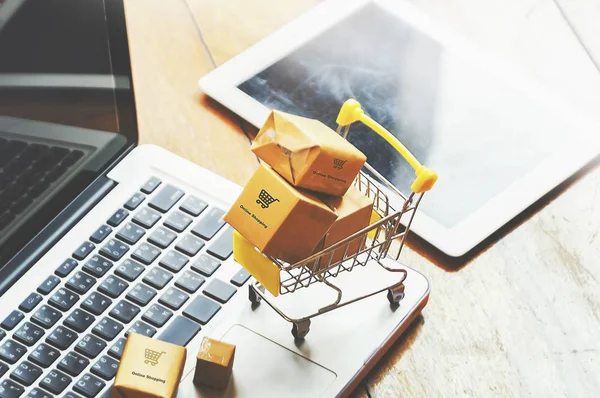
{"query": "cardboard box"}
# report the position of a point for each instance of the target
(280, 220)
(148, 368)
(214, 363)
(307, 153)
(354, 213)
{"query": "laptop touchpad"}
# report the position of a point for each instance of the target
(262, 368)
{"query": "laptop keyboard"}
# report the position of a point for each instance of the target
(69, 333)
(26, 171)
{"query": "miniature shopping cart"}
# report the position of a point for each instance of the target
(369, 245)
(265, 199)
(152, 356)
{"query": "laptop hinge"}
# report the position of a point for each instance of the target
(53, 232)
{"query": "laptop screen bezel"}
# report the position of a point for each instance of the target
(125, 112)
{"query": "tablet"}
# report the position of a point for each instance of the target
(497, 141)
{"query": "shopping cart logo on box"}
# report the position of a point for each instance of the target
(265, 199)
(152, 356)
(338, 163)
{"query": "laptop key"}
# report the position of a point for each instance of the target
(44, 355)
(141, 294)
(146, 253)
(66, 267)
(96, 303)
(46, 316)
(193, 206)
(11, 351)
(59, 152)
(73, 364)
(134, 201)
(124, 311)
(180, 332)
(113, 287)
(178, 221)
(189, 245)
(219, 290)
(12, 320)
(117, 218)
(241, 277)
(131, 233)
(210, 224)
(48, 285)
(101, 233)
(146, 218)
(116, 351)
(79, 320)
(97, 266)
(106, 368)
(114, 250)
(150, 185)
(90, 346)
(206, 265)
(28, 334)
(3, 369)
(26, 373)
(166, 198)
(173, 298)
(61, 337)
(141, 328)
(89, 386)
(38, 393)
(55, 382)
(222, 247)
(201, 309)
(80, 282)
(72, 158)
(108, 329)
(10, 389)
(129, 270)
(63, 299)
(84, 250)
(2, 334)
(173, 261)
(158, 277)
(190, 282)
(157, 315)
(162, 237)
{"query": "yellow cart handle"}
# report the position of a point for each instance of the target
(352, 112)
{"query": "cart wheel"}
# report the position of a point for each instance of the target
(253, 296)
(395, 294)
(301, 329)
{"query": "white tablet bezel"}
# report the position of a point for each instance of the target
(221, 84)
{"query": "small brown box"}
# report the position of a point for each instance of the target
(307, 153)
(354, 213)
(214, 363)
(280, 220)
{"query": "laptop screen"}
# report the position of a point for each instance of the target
(66, 107)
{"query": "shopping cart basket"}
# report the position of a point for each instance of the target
(265, 199)
(374, 242)
(152, 356)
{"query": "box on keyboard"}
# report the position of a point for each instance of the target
(280, 220)
(307, 153)
(149, 368)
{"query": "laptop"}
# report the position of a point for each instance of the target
(100, 238)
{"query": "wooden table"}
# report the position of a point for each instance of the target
(519, 317)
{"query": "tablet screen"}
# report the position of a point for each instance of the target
(479, 132)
